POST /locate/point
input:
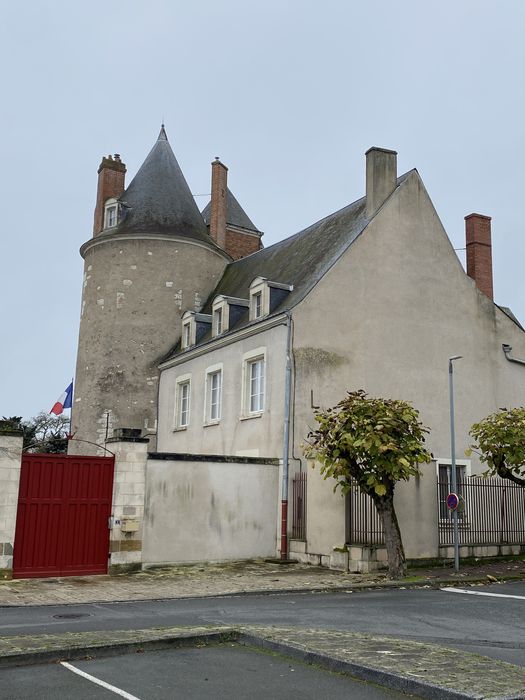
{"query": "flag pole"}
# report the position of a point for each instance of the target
(71, 408)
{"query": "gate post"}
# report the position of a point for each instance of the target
(11, 442)
(127, 513)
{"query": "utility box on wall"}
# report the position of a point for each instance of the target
(129, 525)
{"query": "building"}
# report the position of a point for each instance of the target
(219, 350)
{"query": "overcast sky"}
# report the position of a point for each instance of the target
(289, 93)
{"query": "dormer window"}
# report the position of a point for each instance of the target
(188, 330)
(194, 328)
(111, 213)
(266, 296)
(258, 298)
(226, 312)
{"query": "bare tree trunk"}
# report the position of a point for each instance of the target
(394, 545)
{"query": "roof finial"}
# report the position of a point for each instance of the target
(162, 136)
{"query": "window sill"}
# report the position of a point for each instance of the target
(180, 428)
(210, 423)
(258, 414)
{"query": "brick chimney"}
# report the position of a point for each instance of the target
(479, 251)
(219, 202)
(381, 177)
(111, 176)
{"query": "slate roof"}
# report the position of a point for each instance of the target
(235, 214)
(158, 199)
(300, 260)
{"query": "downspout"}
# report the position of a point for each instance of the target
(506, 349)
(286, 438)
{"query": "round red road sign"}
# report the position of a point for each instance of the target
(452, 501)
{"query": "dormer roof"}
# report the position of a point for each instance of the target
(158, 199)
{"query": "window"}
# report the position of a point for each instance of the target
(257, 305)
(217, 317)
(186, 335)
(444, 469)
(253, 383)
(183, 404)
(111, 213)
(214, 396)
(256, 385)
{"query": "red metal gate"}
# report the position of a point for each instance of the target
(64, 504)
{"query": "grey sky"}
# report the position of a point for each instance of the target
(290, 94)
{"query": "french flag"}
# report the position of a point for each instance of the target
(65, 401)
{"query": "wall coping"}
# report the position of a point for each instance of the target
(10, 432)
(223, 459)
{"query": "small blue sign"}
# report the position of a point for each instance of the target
(452, 501)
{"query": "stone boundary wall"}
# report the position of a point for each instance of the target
(10, 465)
(127, 514)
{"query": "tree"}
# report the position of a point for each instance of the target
(375, 443)
(499, 439)
(43, 433)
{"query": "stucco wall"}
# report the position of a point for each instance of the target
(386, 318)
(133, 294)
(209, 511)
(10, 464)
(235, 433)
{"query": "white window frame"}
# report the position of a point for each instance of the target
(445, 515)
(218, 320)
(110, 206)
(182, 418)
(211, 417)
(188, 330)
(249, 360)
(259, 298)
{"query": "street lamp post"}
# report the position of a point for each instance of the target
(453, 473)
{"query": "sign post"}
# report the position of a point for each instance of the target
(453, 476)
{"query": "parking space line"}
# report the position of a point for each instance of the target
(91, 678)
(493, 595)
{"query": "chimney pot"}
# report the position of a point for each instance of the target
(381, 177)
(479, 251)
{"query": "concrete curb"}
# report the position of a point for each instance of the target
(104, 649)
(386, 679)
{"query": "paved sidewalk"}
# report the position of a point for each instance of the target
(427, 670)
(230, 579)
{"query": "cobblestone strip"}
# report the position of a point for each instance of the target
(429, 670)
(213, 580)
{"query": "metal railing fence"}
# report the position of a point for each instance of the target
(491, 512)
(363, 524)
(299, 506)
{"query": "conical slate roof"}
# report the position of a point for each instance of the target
(158, 199)
(235, 214)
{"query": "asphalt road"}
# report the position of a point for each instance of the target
(222, 673)
(491, 622)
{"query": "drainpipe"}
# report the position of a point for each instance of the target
(506, 349)
(286, 438)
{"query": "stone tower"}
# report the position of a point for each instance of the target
(151, 255)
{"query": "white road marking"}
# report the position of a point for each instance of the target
(114, 689)
(493, 595)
